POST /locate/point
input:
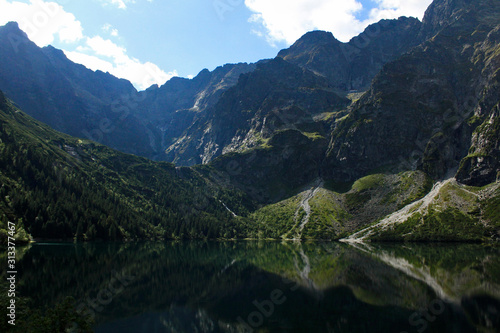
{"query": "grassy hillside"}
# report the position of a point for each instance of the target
(451, 212)
(336, 210)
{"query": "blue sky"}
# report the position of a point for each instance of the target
(149, 41)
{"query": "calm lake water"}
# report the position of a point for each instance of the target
(269, 286)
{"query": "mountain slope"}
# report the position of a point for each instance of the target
(168, 110)
(438, 216)
(316, 73)
(56, 186)
(68, 97)
(435, 109)
(276, 96)
(97, 106)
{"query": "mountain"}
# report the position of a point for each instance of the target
(155, 123)
(422, 108)
(67, 96)
(168, 110)
(338, 68)
(353, 65)
(98, 106)
(428, 113)
(274, 97)
(60, 187)
(302, 83)
(435, 109)
(398, 140)
(441, 14)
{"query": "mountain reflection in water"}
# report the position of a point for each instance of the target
(270, 286)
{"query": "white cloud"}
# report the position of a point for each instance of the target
(92, 62)
(42, 21)
(121, 4)
(396, 8)
(287, 20)
(109, 29)
(47, 22)
(118, 63)
(105, 47)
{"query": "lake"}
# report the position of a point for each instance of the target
(251, 286)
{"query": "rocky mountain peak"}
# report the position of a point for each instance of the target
(352, 65)
(310, 40)
(442, 13)
(13, 27)
(12, 37)
(56, 53)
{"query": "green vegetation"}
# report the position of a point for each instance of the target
(283, 219)
(491, 210)
(15, 230)
(55, 186)
(356, 200)
(277, 220)
(313, 136)
(335, 215)
(360, 192)
(450, 225)
(408, 181)
(355, 96)
(368, 182)
(328, 217)
(457, 214)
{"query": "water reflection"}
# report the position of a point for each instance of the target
(270, 286)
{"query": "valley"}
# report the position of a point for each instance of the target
(323, 141)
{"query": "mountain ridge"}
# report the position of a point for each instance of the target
(269, 133)
(150, 122)
(352, 66)
(96, 105)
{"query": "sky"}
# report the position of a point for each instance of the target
(149, 41)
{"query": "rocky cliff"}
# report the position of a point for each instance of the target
(422, 108)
